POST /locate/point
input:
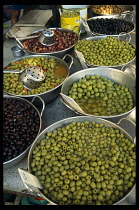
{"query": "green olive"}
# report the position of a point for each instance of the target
(91, 165)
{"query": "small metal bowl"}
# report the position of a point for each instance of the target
(17, 51)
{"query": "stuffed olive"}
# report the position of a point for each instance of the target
(85, 163)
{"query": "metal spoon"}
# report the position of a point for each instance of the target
(31, 76)
(13, 71)
(20, 44)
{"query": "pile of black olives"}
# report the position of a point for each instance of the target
(21, 124)
(85, 163)
(110, 26)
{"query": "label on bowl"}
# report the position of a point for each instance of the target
(29, 178)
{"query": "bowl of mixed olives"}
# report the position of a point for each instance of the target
(106, 51)
(101, 92)
(56, 70)
(84, 161)
(21, 125)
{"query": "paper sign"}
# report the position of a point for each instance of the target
(80, 55)
(71, 102)
(85, 24)
(29, 179)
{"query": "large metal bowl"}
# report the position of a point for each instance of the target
(103, 37)
(115, 75)
(62, 123)
(50, 95)
(17, 159)
(59, 54)
(111, 17)
(129, 10)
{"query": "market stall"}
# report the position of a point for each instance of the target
(54, 111)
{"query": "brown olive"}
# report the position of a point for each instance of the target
(63, 40)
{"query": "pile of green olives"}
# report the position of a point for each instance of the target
(70, 14)
(97, 95)
(109, 51)
(85, 163)
(55, 75)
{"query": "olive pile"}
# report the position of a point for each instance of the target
(110, 26)
(53, 78)
(21, 124)
(97, 95)
(63, 40)
(108, 9)
(109, 51)
(69, 14)
(85, 163)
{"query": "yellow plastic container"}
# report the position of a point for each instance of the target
(82, 9)
(71, 23)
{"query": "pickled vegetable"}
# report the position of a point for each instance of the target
(55, 75)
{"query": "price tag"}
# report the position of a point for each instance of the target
(85, 24)
(29, 179)
(81, 58)
(72, 103)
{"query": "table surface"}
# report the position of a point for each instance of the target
(52, 113)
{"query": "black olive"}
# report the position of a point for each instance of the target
(18, 130)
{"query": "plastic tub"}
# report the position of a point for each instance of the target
(83, 12)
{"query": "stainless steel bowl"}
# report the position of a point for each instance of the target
(115, 75)
(17, 159)
(64, 122)
(17, 51)
(111, 17)
(50, 95)
(59, 54)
